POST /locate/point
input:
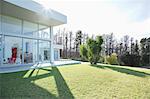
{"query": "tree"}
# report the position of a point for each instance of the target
(63, 32)
(120, 48)
(78, 39)
(117, 48)
(83, 52)
(145, 51)
(136, 48)
(84, 38)
(131, 58)
(70, 41)
(126, 43)
(93, 49)
(66, 43)
(109, 43)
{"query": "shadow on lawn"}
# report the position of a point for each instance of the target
(62, 87)
(124, 70)
(15, 86)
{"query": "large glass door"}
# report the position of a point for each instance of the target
(44, 51)
(1, 50)
(30, 51)
(56, 53)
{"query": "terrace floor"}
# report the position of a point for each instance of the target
(15, 68)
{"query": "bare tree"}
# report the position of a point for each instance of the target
(78, 40)
(109, 43)
(136, 47)
(63, 35)
(121, 48)
(131, 45)
(66, 44)
(70, 42)
(126, 43)
(106, 40)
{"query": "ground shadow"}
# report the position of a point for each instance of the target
(62, 87)
(124, 70)
(98, 66)
(14, 85)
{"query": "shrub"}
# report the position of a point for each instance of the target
(106, 59)
(102, 59)
(113, 60)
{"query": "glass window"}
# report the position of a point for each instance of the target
(0, 49)
(30, 51)
(56, 54)
(12, 50)
(30, 29)
(11, 25)
(0, 25)
(44, 32)
(44, 51)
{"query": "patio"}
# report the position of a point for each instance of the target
(16, 68)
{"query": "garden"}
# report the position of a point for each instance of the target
(77, 81)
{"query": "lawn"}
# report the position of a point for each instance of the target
(77, 81)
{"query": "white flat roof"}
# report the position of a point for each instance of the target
(49, 17)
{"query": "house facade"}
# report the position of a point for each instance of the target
(26, 33)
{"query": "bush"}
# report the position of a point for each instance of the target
(101, 60)
(113, 60)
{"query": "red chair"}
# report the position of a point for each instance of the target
(14, 55)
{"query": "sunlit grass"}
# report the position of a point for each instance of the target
(78, 81)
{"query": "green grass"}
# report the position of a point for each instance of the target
(77, 81)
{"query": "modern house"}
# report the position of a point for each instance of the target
(26, 33)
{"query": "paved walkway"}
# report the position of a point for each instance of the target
(16, 68)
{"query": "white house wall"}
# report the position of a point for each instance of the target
(22, 23)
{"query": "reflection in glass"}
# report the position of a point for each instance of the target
(11, 25)
(30, 29)
(44, 32)
(44, 51)
(30, 51)
(12, 50)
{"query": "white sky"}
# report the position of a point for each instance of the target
(121, 17)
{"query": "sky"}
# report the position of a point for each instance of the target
(122, 17)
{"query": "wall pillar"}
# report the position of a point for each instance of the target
(0, 36)
(51, 45)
